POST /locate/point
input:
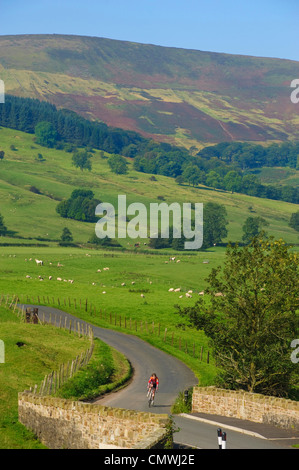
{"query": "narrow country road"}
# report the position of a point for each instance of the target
(174, 377)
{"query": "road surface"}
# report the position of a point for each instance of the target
(174, 377)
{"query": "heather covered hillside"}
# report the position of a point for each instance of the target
(185, 97)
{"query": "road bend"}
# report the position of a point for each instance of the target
(174, 377)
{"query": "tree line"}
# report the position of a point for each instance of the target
(222, 166)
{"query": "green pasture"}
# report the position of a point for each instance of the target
(111, 304)
(33, 215)
(31, 352)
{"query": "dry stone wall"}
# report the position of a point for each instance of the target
(252, 406)
(66, 424)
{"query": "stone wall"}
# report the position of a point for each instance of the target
(66, 424)
(252, 406)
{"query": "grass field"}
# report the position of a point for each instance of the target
(41, 349)
(148, 274)
(34, 215)
(33, 351)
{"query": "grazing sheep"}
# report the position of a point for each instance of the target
(39, 262)
(123, 283)
(103, 292)
(50, 277)
(99, 271)
(188, 295)
(59, 279)
(177, 290)
(142, 295)
(219, 294)
(171, 289)
(71, 281)
(201, 293)
(59, 265)
(28, 277)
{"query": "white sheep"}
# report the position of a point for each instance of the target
(39, 262)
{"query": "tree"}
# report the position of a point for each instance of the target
(252, 320)
(294, 221)
(232, 181)
(2, 154)
(81, 159)
(214, 224)
(3, 228)
(214, 180)
(45, 134)
(192, 174)
(66, 236)
(80, 206)
(252, 228)
(118, 164)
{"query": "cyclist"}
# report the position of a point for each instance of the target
(153, 384)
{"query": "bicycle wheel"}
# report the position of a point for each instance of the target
(150, 399)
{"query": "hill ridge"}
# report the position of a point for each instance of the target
(183, 96)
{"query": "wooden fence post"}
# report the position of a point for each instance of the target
(165, 335)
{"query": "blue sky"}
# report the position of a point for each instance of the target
(266, 28)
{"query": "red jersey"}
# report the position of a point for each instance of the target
(154, 381)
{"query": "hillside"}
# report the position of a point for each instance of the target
(185, 97)
(34, 215)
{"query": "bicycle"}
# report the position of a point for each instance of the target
(150, 397)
